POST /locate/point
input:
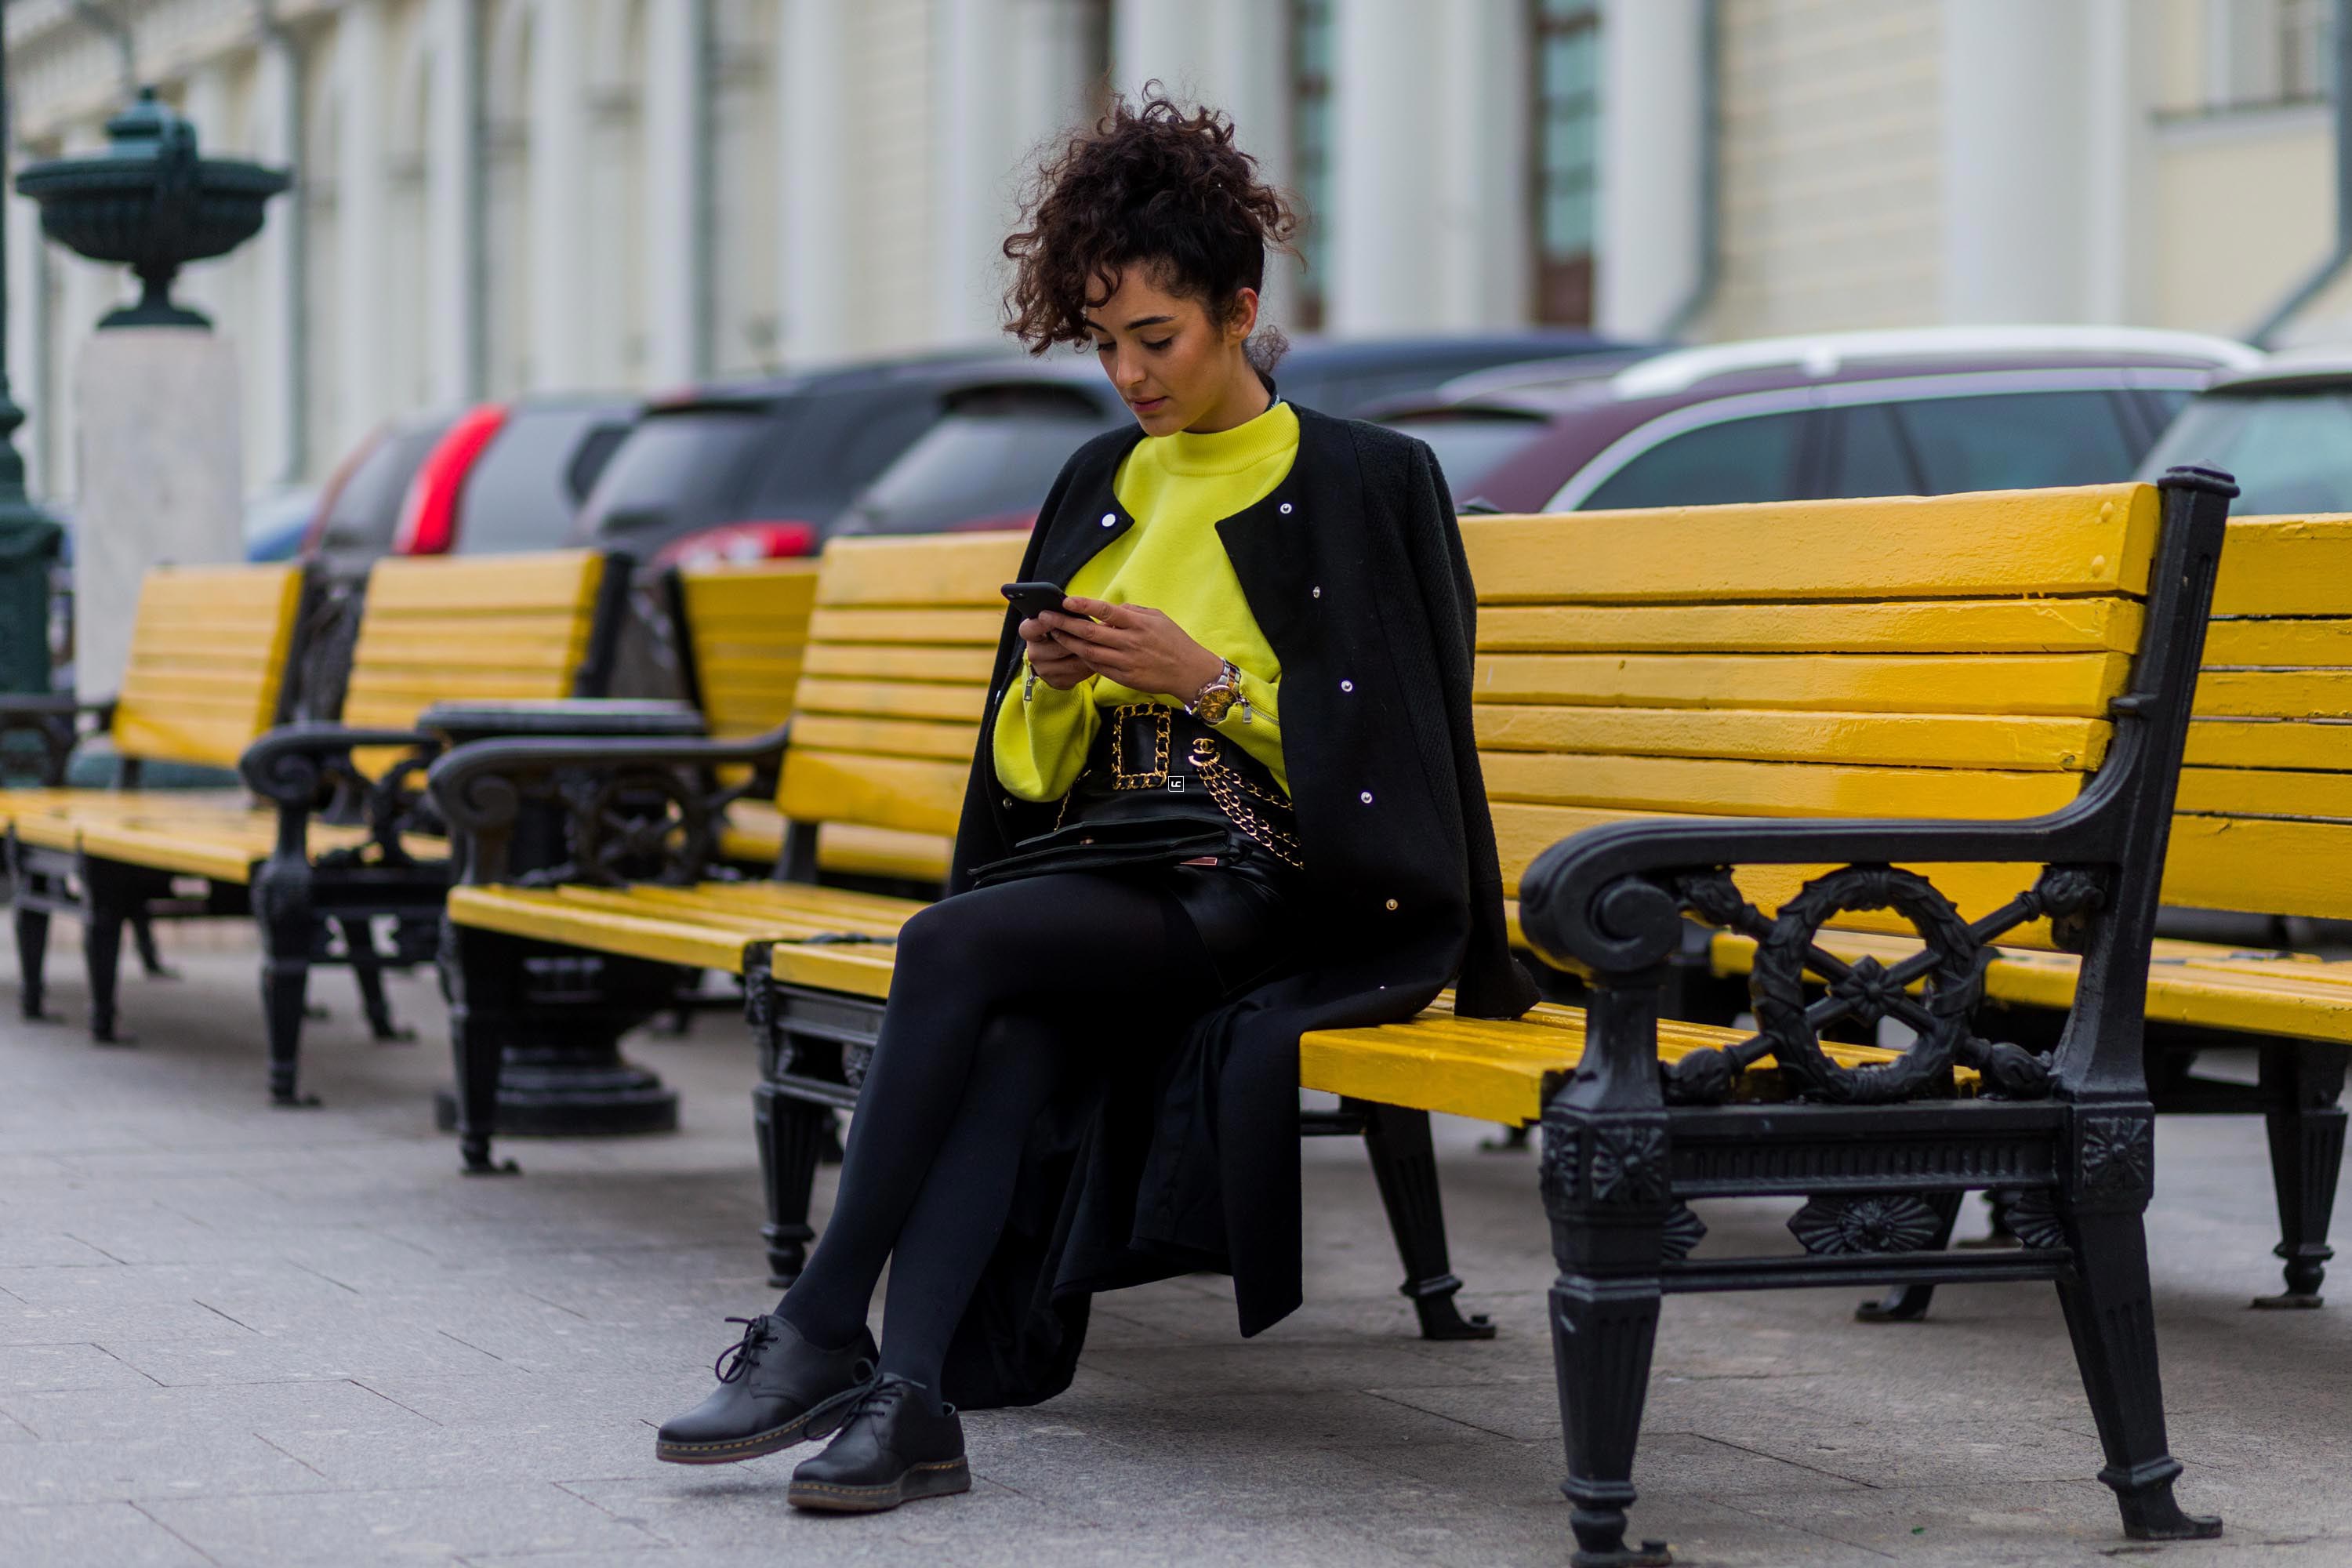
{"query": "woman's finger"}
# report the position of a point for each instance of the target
(1070, 628)
(1095, 609)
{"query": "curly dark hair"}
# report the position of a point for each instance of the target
(1150, 183)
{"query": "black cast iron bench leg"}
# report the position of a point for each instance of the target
(32, 961)
(793, 1135)
(1404, 1165)
(2302, 1083)
(367, 968)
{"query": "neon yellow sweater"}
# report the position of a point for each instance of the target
(1178, 488)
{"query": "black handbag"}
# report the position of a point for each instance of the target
(1159, 789)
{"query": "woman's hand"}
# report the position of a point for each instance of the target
(1134, 644)
(1056, 665)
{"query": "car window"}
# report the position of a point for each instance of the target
(989, 461)
(676, 466)
(366, 509)
(831, 445)
(1871, 457)
(2290, 451)
(1470, 445)
(1751, 459)
(2013, 441)
(517, 496)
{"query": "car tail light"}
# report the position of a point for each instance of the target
(429, 513)
(996, 523)
(773, 541)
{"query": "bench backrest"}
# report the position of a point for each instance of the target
(895, 678)
(209, 650)
(743, 630)
(494, 627)
(1949, 656)
(2263, 822)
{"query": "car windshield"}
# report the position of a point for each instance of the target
(990, 461)
(1470, 443)
(679, 462)
(2290, 451)
(518, 494)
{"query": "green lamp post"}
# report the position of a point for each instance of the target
(29, 538)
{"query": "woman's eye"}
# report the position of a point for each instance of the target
(1163, 343)
(1105, 348)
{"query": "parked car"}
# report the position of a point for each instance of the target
(2284, 429)
(989, 461)
(510, 477)
(1924, 412)
(278, 520)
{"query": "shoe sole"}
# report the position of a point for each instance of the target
(820, 1422)
(944, 1478)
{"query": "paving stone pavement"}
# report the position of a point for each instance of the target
(240, 1336)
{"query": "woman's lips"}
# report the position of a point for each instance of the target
(1146, 404)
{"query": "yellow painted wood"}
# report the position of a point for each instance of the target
(747, 626)
(1490, 1070)
(2270, 743)
(1894, 739)
(1707, 786)
(869, 661)
(1523, 831)
(1939, 625)
(2093, 540)
(209, 647)
(2277, 644)
(846, 846)
(2284, 566)
(913, 795)
(2265, 791)
(2299, 694)
(537, 913)
(893, 699)
(2260, 865)
(940, 741)
(2079, 684)
(924, 571)
(439, 585)
(974, 628)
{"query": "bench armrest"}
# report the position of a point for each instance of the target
(294, 762)
(305, 769)
(53, 719)
(635, 810)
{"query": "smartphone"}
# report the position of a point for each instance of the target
(1032, 598)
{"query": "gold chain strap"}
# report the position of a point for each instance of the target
(1238, 798)
(1163, 722)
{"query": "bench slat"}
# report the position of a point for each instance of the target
(923, 571)
(2284, 566)
(1895, 739)
(2061, 684)
(1709, 786)
(1933, 625)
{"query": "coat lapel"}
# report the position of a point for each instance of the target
(1087, 520)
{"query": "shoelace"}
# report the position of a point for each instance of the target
(741, 1357)
(881, 1392)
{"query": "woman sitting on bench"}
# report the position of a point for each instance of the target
(1228, 793)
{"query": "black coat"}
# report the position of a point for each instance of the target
(1183, 1155)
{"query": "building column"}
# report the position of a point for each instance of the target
(559, 190)
(1428, 141)
(675, 128)
(1651, 102)
(819, 249)
(274, 393)
(2120, 55)
(362, 215)
(453, 205)
(2014, 121)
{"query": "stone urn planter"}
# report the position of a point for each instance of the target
(151, 204)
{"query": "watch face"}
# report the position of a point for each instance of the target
(1214, 706)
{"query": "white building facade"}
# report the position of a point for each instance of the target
(496, 196)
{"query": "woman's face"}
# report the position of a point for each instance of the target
(1177, 367)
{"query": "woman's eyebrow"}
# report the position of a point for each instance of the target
(1140, 322)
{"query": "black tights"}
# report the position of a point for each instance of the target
(981, 997)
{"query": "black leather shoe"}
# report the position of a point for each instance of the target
(895, 1447)
(775, 1389)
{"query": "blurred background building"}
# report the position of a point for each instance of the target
(499, 196)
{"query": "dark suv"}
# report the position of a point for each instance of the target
(1924, 412)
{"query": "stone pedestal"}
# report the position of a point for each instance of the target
(161, 461)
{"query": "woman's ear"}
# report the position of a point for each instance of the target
(1241, 316)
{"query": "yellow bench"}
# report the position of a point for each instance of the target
(523, 628)
(2262, 825)
(211, 647)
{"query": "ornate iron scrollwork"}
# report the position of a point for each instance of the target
(2118, 1156)
(1684, 1231)
(632, 824)
(857, 1060)
(2034, 1219)
(1629, 1164)
(1871, 1223)
(1948, 969)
